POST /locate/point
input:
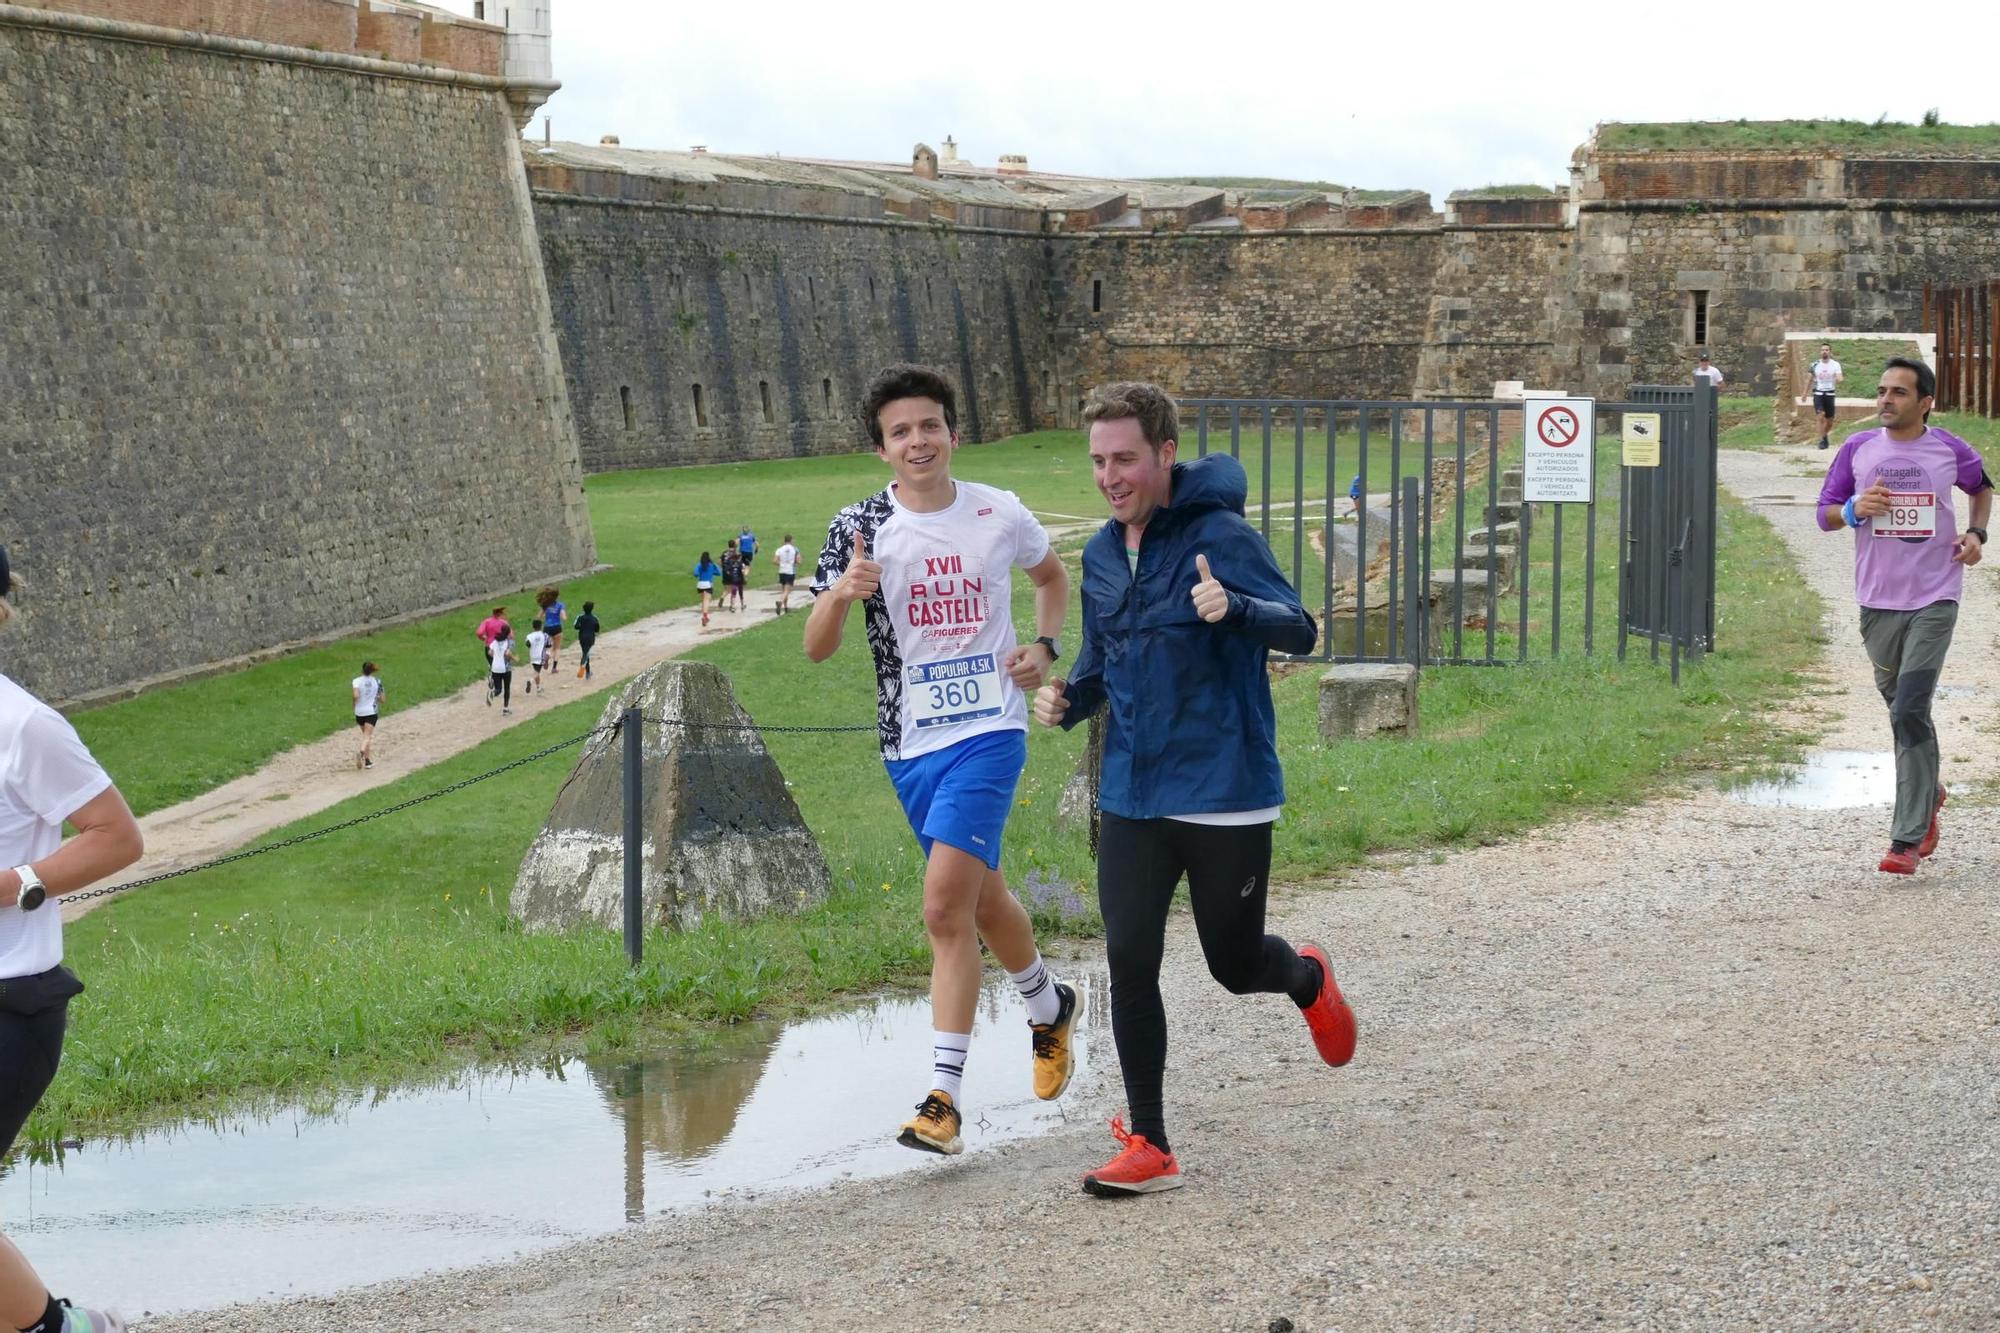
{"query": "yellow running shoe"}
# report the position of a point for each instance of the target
(934, 1128)
(1055, 1061)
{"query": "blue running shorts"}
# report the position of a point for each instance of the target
(960, 795)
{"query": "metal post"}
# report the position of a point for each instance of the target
(635, 832)
(1414, 622)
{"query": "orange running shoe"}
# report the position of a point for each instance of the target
(1895, 862)
(934, 1128)
(1331, 1021)
(1930, 842)
(1139, 1167)
(1054, 1059)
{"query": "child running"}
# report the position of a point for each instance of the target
(930, 560)
(538, 649)
(500, 658)
(586, 635)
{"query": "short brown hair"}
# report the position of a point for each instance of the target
(904, 380)
(1148, 404)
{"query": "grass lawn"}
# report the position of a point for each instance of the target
(1869, 136)
(385, 953)
(174, 743)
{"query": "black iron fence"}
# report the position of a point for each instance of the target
(1405, 525)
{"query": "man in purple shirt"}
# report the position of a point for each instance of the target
(1909, 567)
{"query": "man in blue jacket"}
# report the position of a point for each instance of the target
(1182, 604)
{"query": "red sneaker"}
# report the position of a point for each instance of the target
(1139, 1168)
(1331, 1021)
(1899, 863)
(1930, 842)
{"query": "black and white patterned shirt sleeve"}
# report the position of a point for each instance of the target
(867, 518)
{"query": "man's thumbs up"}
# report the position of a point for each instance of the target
(863, 576)
(1211, 599)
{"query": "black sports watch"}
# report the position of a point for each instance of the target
(1055, 653)
(1977, 532)
(33, 893)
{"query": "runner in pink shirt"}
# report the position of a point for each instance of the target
(493, 627)
(1893, 485)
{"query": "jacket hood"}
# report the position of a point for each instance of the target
(1215, 482)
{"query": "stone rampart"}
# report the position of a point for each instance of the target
(278, 355)
(1233, 314)
(695, 334)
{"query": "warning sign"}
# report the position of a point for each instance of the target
(1560, 435)
(1642, 439)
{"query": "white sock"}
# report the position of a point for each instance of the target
(1038, 988)
(948, 1061)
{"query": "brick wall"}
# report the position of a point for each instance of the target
(652, 301)
(390, 34)
(1706, 176)
(277, 357)
(325, 25)
(474, 48)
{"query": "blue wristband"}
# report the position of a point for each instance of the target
(1847, 512)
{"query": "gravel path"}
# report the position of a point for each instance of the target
(1695, 1065)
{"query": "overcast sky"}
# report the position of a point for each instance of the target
(1373, 93)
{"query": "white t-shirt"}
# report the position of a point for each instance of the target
(1714, 373)
(46, 775)
(538, 643)
(498, 651)
(942, 623)
(1825, 374)
(788, 558)
(367, 695)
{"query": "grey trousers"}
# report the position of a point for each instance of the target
(1907, 649)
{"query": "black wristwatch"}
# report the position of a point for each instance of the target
(1977, 532)
(1055, 653)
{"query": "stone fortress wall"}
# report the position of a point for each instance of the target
(278, 357)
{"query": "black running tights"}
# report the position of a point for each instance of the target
(1139, 865)
(503, 685)
(30, 1050)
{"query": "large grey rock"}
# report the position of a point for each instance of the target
(1361, 699)
(722, 835)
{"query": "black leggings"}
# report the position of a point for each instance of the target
(34, 1011)
(503, 685)
(1139, 865)
(584, 644)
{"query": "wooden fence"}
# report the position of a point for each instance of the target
(1966, 321)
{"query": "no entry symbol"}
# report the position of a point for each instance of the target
(1557, 427)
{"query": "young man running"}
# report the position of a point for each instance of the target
(1182, 603)
(787, 557)
(930, 559)
(1826, 377)
(1909, 568)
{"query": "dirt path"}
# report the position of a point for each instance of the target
(310, 778)
(1696, 1065)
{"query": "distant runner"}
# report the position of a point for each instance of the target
(586, 635)
(787, 557)
(1826, 377)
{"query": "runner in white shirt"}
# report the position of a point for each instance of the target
(787, 557)
(47, 778)
(1711, 373)
(931, 561)
(1826, 377)
(538, 647)
(367, 711)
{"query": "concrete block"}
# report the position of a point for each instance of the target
(1362, 699)
(722, 835)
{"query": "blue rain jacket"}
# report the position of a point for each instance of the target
(1189, 728)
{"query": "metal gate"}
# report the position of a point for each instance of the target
(1403, 523)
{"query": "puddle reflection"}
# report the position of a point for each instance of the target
(504, 1164)
(1829, 780)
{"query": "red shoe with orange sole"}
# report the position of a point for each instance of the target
(1139, 1168)
(1331, 1021)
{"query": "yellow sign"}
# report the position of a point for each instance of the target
(1642, 439)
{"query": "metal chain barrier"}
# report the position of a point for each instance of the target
(460, 785)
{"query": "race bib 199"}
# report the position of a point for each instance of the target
(1911, 514)
(960, 690)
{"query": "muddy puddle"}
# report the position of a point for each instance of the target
(500, 1165)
